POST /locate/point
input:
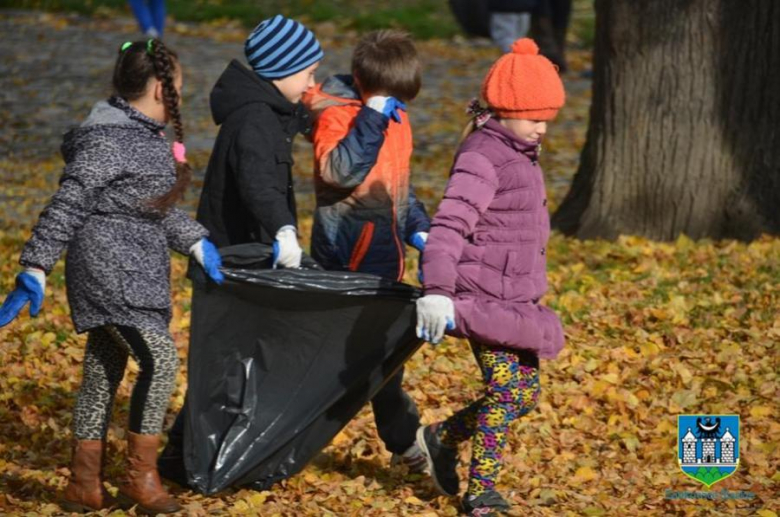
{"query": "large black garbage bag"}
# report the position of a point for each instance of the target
(279, 362)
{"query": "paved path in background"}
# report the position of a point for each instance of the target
(53, 68)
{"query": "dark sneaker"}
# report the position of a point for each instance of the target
(442, 461)
(170, 463)
(489, 504)
(413, 458)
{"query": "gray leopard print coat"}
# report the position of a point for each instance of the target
(117, 268)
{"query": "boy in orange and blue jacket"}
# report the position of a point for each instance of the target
(366, 207)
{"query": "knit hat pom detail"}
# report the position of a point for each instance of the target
(525, 46)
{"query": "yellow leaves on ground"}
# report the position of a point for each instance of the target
(603, 436)
(762, 411)
(584, 474)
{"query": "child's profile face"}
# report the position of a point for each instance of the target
(294, 86)
(528, 130)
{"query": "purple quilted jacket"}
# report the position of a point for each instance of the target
(487, 245)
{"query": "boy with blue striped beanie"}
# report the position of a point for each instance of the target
(248, 190)
(280, 47)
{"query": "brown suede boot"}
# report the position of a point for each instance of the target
(142, 485)
(85, 491)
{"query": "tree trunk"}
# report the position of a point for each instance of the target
(684, 132)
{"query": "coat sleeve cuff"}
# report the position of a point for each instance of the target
(377, 120)
(439, 291)
(36, 256)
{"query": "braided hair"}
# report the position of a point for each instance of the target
(137, 63)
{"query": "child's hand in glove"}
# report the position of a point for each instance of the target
(435, 314)
(30, 286)
(206, 254)
(287, 251)
(387, 106)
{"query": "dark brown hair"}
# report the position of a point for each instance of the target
(136, 64)
(386, 61)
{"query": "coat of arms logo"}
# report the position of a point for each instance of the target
(708, 446)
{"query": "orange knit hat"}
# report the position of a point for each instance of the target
(523, 84)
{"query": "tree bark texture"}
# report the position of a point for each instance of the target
(684, 132)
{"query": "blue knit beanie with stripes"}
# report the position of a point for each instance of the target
(280, 47)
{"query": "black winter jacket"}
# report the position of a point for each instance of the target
(248, 190)
(512, 6)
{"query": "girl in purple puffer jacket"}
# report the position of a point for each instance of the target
(484, 270)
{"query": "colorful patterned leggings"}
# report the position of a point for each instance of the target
(511, 390)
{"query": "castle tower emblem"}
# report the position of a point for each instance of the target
(708, 446)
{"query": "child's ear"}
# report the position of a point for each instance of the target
(158, 92)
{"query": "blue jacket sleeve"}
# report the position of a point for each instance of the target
(350, 161)
(417, 220)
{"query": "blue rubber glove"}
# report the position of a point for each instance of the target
(418, 241)
(207, 255)
(435, 314)
(30, 286)
(387, 106)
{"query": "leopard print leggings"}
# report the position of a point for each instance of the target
(511, 391)
(104, 366)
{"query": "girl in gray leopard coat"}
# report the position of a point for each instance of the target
(114, 213)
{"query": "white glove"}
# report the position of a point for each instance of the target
(287, 251)
(435, 313)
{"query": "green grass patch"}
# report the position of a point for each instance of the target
(424, 19)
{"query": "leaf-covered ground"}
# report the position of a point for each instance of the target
(653, 330)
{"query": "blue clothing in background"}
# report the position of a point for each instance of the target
(150, 15)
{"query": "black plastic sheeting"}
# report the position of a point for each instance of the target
(279, 362)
